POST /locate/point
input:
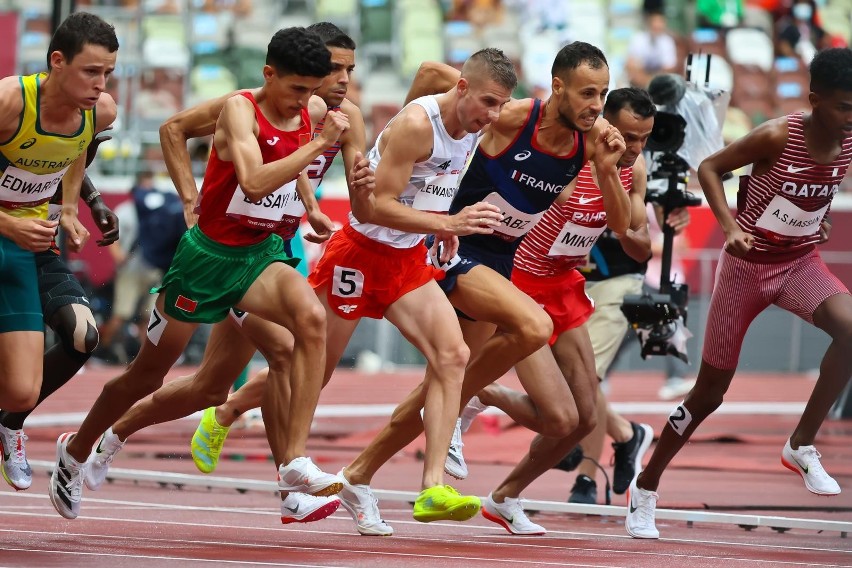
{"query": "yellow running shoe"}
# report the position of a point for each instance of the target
(207, 441)
(443, 503)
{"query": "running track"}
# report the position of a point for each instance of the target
(152, 525)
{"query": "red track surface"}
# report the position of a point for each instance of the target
(145, 524)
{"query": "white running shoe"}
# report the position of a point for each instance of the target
(364, 508)
(805, 462)
(641, 506)
(66, 481)
(304, 508)
(510, 514)
(455, 464)
(473, 409)
(302, 476)
(101, 458)
(16, 469)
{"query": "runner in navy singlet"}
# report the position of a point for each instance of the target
(770, 257)
(523, 164)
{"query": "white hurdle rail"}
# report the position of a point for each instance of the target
(745, 521)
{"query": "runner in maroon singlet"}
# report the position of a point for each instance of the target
(770, 257)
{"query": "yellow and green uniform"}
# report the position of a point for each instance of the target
(32, 163)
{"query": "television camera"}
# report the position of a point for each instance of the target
(686, 130)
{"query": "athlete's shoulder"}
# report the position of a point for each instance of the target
(106, 111)
(350, 109)
(514, 114)
(11, 100)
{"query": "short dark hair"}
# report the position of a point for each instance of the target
(637, 100)
(76, 31)
(332, 36)
(296, 51)
(831, 70)
(575, 54)
(491, 63)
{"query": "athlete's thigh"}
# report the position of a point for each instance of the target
(834, 315)
(20, 357)
(165, 339)
(485, 295)
(269, 337)
(476, 333)
(542, 380)
(279, 295)
(575, 357)
(426, 318)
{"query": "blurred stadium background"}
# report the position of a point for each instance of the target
(175, 53)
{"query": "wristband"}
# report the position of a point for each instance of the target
(91, 197)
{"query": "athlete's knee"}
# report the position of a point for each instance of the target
(280, 354)
(310, 322)
(453, 359)
(78, 333)
(560, 423)
(704, 399)
(535, 331)
(20, 397)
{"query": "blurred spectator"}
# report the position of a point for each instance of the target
(652, 51)
(719, 13)
(798, 33)
(159, 226)
(480, 13)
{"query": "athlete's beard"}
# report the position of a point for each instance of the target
(567, 122)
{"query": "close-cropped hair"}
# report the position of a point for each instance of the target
(78, 30)
(332, 36)
(492, 64)
(831, 70)
(637, 100)
(575, 54)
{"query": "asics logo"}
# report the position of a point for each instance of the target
(521, 156)
(585, 200)
(28, 143)
(791, 169)
(273, 141)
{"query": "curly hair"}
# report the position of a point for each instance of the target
(297, 51)
(831, 70)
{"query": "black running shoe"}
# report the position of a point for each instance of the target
(585, 491)
(571, 460)
(628, 457)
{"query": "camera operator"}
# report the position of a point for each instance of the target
(770, 257)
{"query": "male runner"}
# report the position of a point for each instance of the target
(770, 257)
(232, 346)
(561, 382)
(234, 258)
(66, 310)
(523, 164)
(46, 122)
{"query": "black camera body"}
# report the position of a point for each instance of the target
(657, 316)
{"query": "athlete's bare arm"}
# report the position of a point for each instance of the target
(760, 147)
(604, 146)
(432, 78)
(235, 140)
(360, 178)
(636, 242)
(29, 234)
(193, 122)
(405, 142)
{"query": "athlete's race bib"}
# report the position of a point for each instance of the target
(54, 212)
(282, 209)
(575, 240)
(20, 188)
(785, 218)
(515, 223)
(437, 193)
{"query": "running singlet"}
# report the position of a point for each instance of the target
(33, 161)
(523, 181)
(227, 216)
(433, 183)
(567, 232)
(321, 163)
(783, 208)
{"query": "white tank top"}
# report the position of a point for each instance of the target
(433, 183)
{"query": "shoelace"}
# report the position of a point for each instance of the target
(216, 436)
(19, 455)
(647, 507)
(512, 507)
(106, 456)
